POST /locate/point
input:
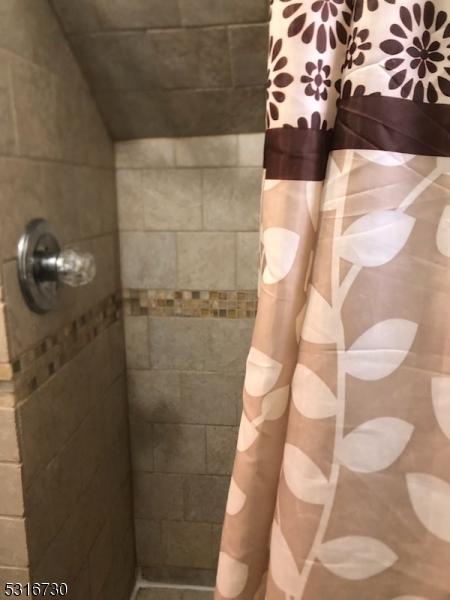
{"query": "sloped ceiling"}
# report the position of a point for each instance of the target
(172, 67)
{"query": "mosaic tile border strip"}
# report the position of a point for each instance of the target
(35, 366)
(225, 304)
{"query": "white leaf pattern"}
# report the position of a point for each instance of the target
(385, 158)
(236, 499)
(440, 391)
(376, 238)
(269, 184)
(443, 232)
(274, 404)
(280, 247)
(303, 477)
(232, 576)
(261, 374)
(247, 434)
(374, 445)
(282, 564)
(430, 497)
(356, 557)
(320, 323)
(380, 350)
(311, 396)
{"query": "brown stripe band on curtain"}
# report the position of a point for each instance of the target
(362, 122)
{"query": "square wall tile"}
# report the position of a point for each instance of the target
(136, 342)
(13, 542)
(149, 548)
(211, 398)
(221, 449)
(248, 250)
(206, 151)
(148, 260)
(251, 150)
(179, 448)
(137, 14)
(187, 544)
(141, 442)
(172, 199)
(117, 61)
(248, 52)
(7, 128)
(145, 153)
(206, 261)
(158, 496)
(9, 446)
(232, 199)
(129, 199)
(191, 57)
(199, 344)
(212, 12)
(9, 574)
(155, 396)
(34, 92)
(11, 496)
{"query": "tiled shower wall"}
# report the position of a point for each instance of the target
(172, 67)
(188, 217)
(65, 498)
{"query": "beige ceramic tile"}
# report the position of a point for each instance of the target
(206, 261)
(212, 151)
(220, 449)
(129, 199)
(187, 544)
(11, 496)
(179, 448)
(250, 149)
(158, 496)
(13, 542)
(145, 153)
(231, 199)
(136, 342)
(9, 447)
(172, 199)
(148, 259)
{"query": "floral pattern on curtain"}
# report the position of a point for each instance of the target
(341, 483)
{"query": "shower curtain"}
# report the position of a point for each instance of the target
(341, 483)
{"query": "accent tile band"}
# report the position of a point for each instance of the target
(226, 304)
(35, 366)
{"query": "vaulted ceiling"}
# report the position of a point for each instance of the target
(172, 67)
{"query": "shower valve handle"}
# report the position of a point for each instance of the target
(43, 266)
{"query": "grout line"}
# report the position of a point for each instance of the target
(169, 29)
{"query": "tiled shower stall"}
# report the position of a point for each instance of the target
(119, 411)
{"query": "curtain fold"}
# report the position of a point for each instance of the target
(341, 483)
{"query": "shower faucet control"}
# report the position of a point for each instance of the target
(43, 266)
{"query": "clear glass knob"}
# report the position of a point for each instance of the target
(75, 268)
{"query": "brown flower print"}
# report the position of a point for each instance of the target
(421, 53)
(360, 5)
(357, 44)
(316, 123)
(328, 33)
(317, 79)
(277, 79)
(346, 91)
